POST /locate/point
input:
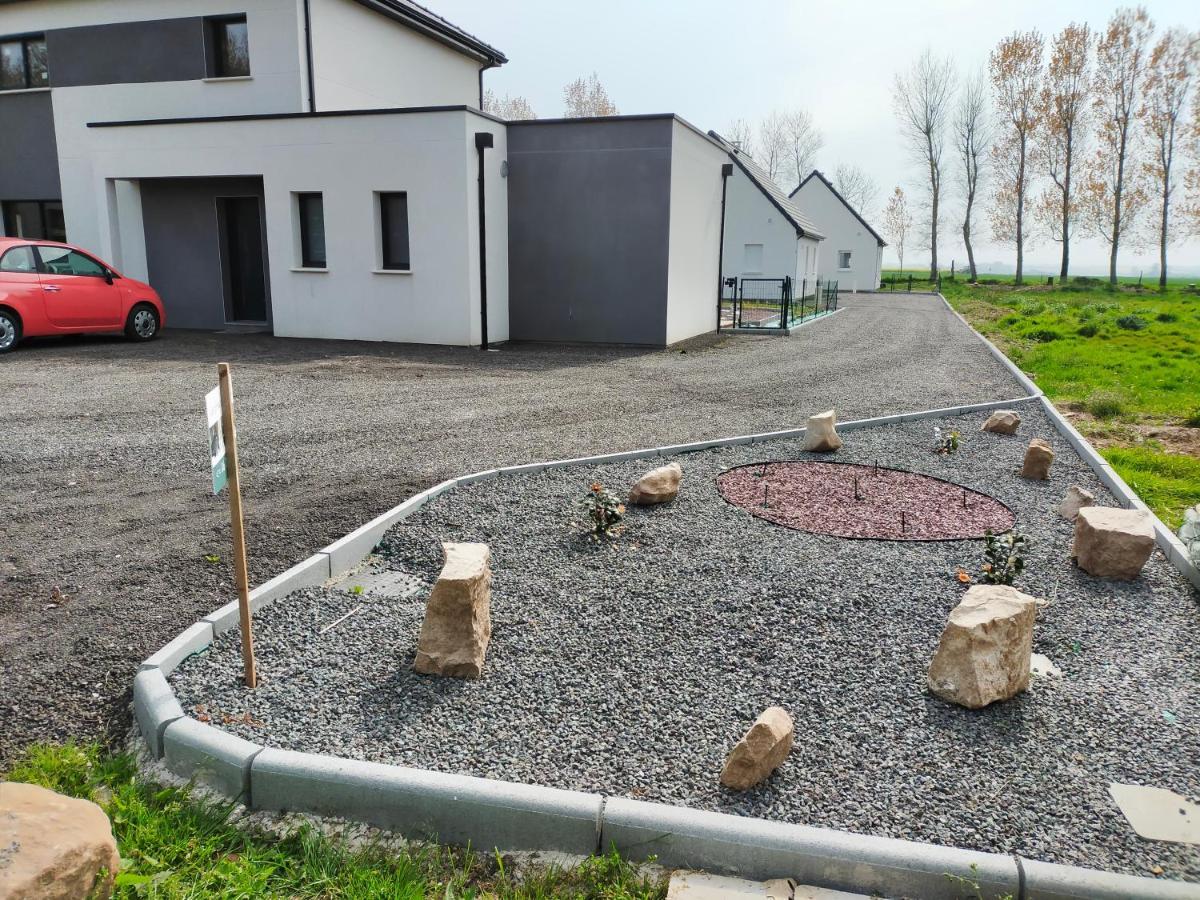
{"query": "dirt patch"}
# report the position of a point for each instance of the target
(1179, 439)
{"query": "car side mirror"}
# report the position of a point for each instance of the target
(108, 276)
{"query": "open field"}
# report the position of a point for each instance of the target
(1124, 364)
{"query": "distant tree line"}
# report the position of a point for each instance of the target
(1095, 130)
(582, 98)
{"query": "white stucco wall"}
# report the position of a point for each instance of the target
(347, 158)
(364, 60)
(695, 234)
(751, 218)
(842, 231)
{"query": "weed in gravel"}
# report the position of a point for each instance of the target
(603, 510)
(1002, 559)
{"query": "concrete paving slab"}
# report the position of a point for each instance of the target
(1158, 814)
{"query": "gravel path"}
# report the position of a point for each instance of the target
(106, 522)
(631, 669)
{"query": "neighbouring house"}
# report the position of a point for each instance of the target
(766, 234)
(321, 168)
(852, 252)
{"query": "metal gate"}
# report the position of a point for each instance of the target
(774, 303)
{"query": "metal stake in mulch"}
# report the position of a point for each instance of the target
(765, 487)
(964, 498)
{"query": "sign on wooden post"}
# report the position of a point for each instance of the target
(222, 440)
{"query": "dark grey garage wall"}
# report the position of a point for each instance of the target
(589, 207)
(127, 52)
(28, 152)
(183, 254)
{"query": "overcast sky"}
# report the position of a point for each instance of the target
(712, 61)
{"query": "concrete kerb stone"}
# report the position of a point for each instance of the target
(313, 571)
(209, 756)
(761, 850)
(1024, 380)
(347, 552)
(193, 639)
(154, 706)
(1047, 881)
(456, 809)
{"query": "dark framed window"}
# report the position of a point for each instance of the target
(35, 219)
(228, 47)
(311, 208)
(393, 229)
(23, 63)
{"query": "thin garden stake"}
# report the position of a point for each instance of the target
(229, 431)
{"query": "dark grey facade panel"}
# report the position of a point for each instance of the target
(588, 231)
(28, 151)
(183, 245)
(127, 52)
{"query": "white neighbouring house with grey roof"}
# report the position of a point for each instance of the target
(852, 252)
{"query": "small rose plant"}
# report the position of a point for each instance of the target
(603, 511)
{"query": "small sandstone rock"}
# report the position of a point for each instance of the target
(1002, 421)
(820, 434)
(458, 625)
(1037, 460)
(657, 486)
(53, 847)
(1113, 543)
(1076, 498)
(984, 652)
(760, 751)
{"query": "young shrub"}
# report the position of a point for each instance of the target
(1044, 335)
(945, 443)
(603, 511)
(1088, 330)
(1002, 560)
(1132, 322)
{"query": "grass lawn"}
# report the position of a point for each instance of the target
(174, 846)
(1125, 363)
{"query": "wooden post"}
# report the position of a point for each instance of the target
(229, 430)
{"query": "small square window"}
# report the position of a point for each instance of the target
(311, 209)
(23, 63)
(843, 259)
(228, 47)
(393, 230)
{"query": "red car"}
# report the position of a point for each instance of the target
(52, 288)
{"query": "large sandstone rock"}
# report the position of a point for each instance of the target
(53, 847)
(458, 624)
(657, 486)
(1075, 499)
(820, 434)
(1113, 543)
(1037, 460)
(1002, 421)
(984, 652)
(760, 751)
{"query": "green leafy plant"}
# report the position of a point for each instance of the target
(1045, 335)
(945, 443)
(212, 558)
(1088, 330)
(1167, 317)
(1132, 322)
(1002, 559)
(1105, 405)
(604, 511)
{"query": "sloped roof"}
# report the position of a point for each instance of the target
(773, 192)
(825, 181)
(431, 24)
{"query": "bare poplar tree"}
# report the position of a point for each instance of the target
(1062, 119)
(1016, 71)
(897, 222)
(804, 139)
(1170, 80)
(972, 136)
(1191, 205)
(923, 96)
(856, 187)
(741, 135)
(1113, 193)
(508, 108)
(772, 144)
(586, 98)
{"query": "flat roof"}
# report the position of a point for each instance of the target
(321, 114)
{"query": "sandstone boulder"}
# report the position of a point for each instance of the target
(1002, 421)
(53, 847)
(1037, 460)
(820, 434)
(1113, 543)
(760, 751)
(984, 652)
(1076, 499)
(657, 486)
(458, 625)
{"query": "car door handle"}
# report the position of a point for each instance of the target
(51, 287)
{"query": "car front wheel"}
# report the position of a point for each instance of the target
(10, 330)
(142, 324)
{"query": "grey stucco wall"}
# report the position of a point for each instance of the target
(28, 152)
(589, 206)
(127, 52)
(183, 250)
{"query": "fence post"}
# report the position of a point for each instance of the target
(910, 282)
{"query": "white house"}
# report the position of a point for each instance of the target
(852, 252)
(766, 234)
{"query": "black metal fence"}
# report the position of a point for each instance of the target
(774, 303)
(910, 283)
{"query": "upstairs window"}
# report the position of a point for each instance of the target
(228, 47)
(34, 219)
(311, 208)
(23, 63)
(843, 259)
(393, 229)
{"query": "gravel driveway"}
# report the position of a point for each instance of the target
(107, 522)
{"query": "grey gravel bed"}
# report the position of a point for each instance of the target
(632, 669)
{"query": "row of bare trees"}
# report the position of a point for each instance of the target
(1090, 131)
(582, 98)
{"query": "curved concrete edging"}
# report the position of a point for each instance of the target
(782, 332)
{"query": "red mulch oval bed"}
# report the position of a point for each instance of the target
(891, 504)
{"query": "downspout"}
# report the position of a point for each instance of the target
(312, 89)
(726, 171)
(481, 68)
(483, 140)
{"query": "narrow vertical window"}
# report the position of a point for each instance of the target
(311, 208)
(229, 47)
(393, 229)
